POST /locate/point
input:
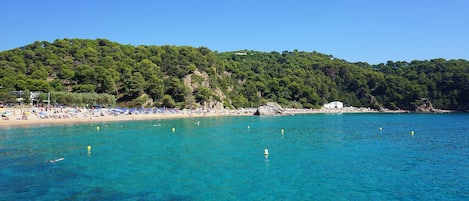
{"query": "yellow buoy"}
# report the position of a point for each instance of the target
(412, 133)
(173, 130)
(97, 128)
(283, 131)
(266, 151)
(89, 149)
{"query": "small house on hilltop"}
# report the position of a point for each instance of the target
(334, 105)
(241, 53)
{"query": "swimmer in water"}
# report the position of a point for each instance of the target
(56, 160)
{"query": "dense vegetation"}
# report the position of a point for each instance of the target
(187, 77)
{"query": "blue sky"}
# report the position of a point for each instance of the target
(372, 31)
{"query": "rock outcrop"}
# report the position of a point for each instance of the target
(425, 106)
(270, 109)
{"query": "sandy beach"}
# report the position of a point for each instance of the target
(19, 117)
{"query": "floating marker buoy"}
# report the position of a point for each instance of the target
(380, 128)
(266, 152)
(412, 133)
(249, 127)
(173, 130)
(283, 131)
(97, 128)
(89, 149)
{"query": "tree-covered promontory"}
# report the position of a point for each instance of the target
(188, 77)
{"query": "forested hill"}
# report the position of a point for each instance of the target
(188, 77)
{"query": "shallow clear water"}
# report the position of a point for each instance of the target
(318, 157)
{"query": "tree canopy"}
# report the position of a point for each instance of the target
(183, 76)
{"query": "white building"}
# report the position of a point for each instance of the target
(334, 105)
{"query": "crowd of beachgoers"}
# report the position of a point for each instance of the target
(17, 116)
(37, 115)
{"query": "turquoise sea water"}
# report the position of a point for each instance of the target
(318, 157)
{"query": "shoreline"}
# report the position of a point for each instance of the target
(31, 117)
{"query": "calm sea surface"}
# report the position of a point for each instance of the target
(317, 157)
